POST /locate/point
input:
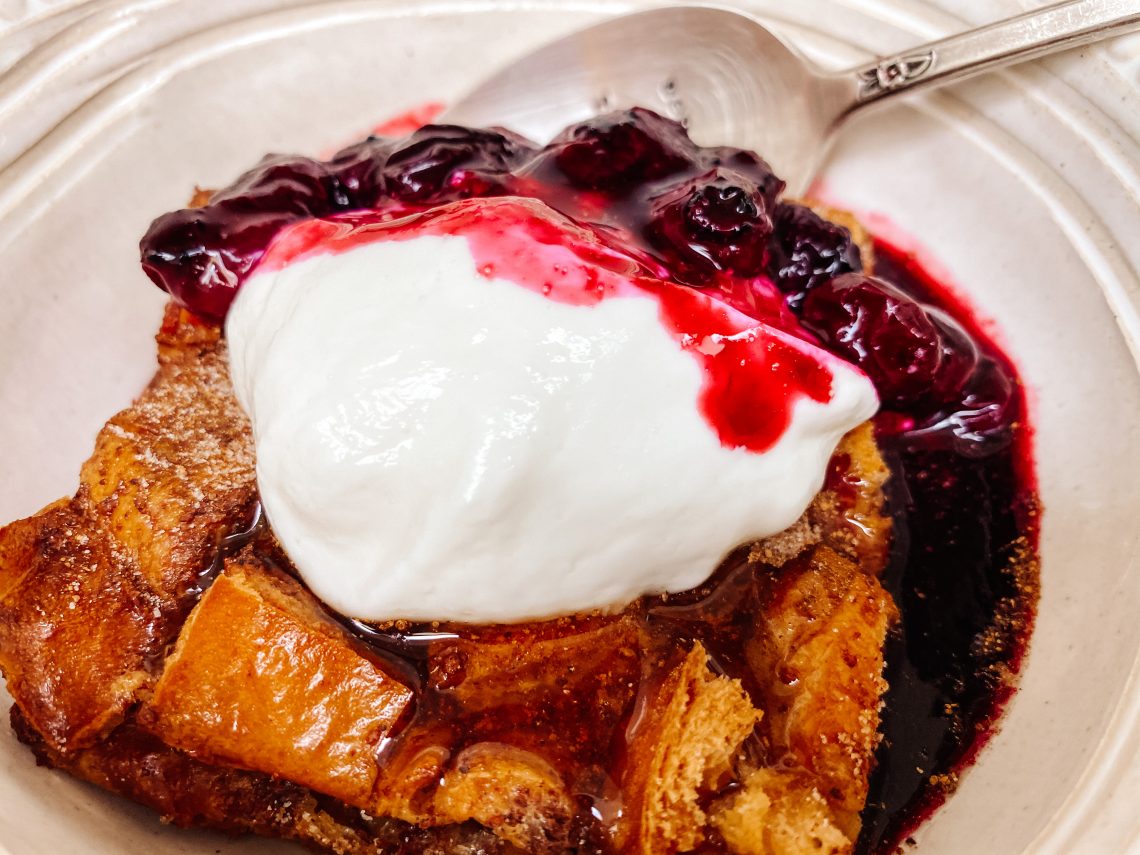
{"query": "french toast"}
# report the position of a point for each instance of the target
(147, 657)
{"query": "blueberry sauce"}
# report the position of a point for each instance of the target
(952, 426)
(963, 572)
(700, 216)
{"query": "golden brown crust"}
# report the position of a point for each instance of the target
(168, 474)
(850, 512)
(189, 793)
(513, 792)
(596, 656)
(849, 515)
(73, 673)
(684, 742)
(539, 705)
(821, 641)
(779, 812)
(253, 685)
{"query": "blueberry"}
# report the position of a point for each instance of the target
(622, 149)
(887, 334)
(717, 222)
(746, 163)
(806, 250)
(359, 173)
(201, 255)
(960, 358)
(443, 163)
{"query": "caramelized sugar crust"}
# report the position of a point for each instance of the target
(211, 686)
(94, 589)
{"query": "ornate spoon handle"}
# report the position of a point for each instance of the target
(1028, 36)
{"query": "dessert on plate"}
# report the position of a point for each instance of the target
(492, 497)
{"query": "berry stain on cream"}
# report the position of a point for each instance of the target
(484, 414)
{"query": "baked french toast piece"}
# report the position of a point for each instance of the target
(93, 589)
(685, 742)
(818, 647)
(261, 680)
(798, 756)
(779, 812)
(147, 481)
(516, 721)
(849, 515)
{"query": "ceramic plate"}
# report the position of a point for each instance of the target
(1023, 186)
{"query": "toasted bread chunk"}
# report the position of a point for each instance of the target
(527, 699)
(183, 791)
(688, 739)
(559, 689)
(20, 541)
(821, 642)
(778, 812)
(255, 685)
(515, 665)
(515, 793)
(173, 471)
(169, 476)
(74, 673)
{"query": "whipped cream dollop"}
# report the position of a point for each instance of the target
(482, 414)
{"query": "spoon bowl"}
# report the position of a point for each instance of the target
(700, 67)
(731, 81)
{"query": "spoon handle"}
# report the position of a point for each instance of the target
(1028, 36)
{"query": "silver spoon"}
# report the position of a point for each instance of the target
(735, 83)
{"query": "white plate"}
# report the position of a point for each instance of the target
(1024, 185)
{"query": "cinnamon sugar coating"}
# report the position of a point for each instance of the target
(95, 588)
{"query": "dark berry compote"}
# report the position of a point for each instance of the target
(952, 423)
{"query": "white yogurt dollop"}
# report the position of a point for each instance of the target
(436, 444)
